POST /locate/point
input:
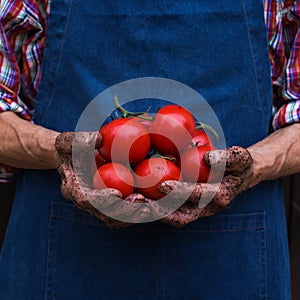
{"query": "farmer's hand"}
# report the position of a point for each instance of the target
(238, 169)
(76, 151)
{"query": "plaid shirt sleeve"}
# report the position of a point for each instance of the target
(282, 21)
(22, 43)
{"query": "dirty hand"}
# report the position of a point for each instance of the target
(76, 151)
(238, 170)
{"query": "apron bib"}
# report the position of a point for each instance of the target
(218, 48)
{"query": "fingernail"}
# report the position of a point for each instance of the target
(213, 157)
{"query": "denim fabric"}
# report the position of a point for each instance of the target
(55, 251)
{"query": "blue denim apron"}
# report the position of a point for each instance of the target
(55, 251)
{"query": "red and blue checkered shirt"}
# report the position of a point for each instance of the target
(22, 43)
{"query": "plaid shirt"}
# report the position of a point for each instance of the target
(22, 43)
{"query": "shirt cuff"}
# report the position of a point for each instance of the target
(287, 114)
(7, 104)
(6, 173)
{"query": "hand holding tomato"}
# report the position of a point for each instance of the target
(76, 185)
(109, 191)
(238, 170)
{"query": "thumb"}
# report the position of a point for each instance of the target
(236, 159)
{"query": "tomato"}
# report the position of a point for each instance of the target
(194, 168)
(144, 119)
(99, 160)
(124, 140)
(149, 173)
(172, 129)
(114, 175)
(200, 138)
(174, 159)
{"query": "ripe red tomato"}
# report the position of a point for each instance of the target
(144, 119)
(172, 129)
(200, 138)
(149, 173)
(194, 168)
(124, 140)
(114, 175)
(99, 160)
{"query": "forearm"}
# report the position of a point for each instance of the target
(25, 145)
(277, 155)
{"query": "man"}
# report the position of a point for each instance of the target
(54, 250)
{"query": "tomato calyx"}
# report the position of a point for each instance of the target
(143, 115)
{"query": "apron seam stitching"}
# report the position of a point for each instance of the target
(264, 263)
(164, 266)
(49, 262)
(157, 272)
(249, 34)
(59, 61)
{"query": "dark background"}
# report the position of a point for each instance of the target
(292, 203)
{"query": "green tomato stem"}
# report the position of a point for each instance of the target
(208, 128)
(127, 114)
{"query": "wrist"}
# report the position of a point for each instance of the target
(45, 146)
(277, 155)
(260, 168)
